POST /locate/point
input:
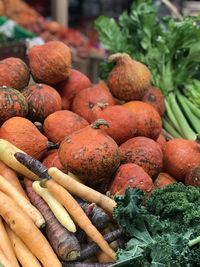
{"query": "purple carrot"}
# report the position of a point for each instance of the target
(85, 264)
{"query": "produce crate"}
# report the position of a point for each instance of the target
(13, 49)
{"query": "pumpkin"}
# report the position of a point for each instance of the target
(42, 100)
(62, 123)
(144, 152)
(13, 103)
(91, 154)
(131, 175)
(22, 133)
(51, 159)
(121, 121)
(76, 82)
(50, 63)
(14, 73)
(85, 100)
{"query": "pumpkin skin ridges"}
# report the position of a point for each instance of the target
(42, 101)
(13, 103)
(14, 73)
(90, 154)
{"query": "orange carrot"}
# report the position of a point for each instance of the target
(24, 227)
(24, 255)
(6, 246)
(82, 190)
(11, 177)
(79, 216)
(23, 202)
(4, 262)
(103, 257)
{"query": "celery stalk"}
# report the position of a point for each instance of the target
(169, 128)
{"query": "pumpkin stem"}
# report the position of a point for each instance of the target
(39, 126)
(98, 123)
(51, 145)
(117, 56)
(102, 105)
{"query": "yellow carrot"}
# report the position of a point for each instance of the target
(7, 151)
(6, 246)
(24, 227)
(23, 202)
(79, 216)
(58, 210)
(11, 177)
(4, 262)
(82, 190)
(24, 255)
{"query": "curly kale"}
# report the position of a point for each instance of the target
(160, 232)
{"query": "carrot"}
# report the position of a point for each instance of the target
(11, 177)
(86, 264)
(79, 216)
(82, 190)
(6, 245)
(4, 262)
(64, 243)
(24, 227)
(102, 257)
(23, 202)
(66, 181)
(7, 151)
(58, 210)
(24, 255)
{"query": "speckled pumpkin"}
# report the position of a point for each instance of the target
(51, 159)
(42, 100)
(24, 134)
(12, 103)
(62, 123)
(14, 73)
(50, 63)
(144, 152)
(132, 175)
(85, 100)
(91, 154)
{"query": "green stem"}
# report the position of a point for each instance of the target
(194, 121)
(193, 108)
(194, 241)
(182, 122)
(169, 128)
(171, 116)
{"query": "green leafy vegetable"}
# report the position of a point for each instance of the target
(169, 48)
(164, 232)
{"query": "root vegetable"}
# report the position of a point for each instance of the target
(23, 226)
(129, 79)
(79, 216)
(180, 156)
(91, 154)
(147, 120)
(7, 151)
(62, 123)
(11, 177)
(23, 254)
(63, 242)
(130, 175)
(85, 100)
(58, 210)
(4, 262)
(6, 246)
(144, 152)
(23, 202)
(161, 141)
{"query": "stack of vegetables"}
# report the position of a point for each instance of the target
(69, 149)
(170, 49)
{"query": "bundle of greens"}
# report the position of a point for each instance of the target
(163, 233)
(170, 49)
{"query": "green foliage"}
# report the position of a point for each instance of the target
(159, 232)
